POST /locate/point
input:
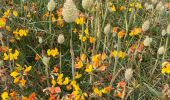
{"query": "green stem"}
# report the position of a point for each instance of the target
(116, 61)
(60, 60)
(72, 53)
(166, 46)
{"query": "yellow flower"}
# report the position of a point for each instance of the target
(5, 96)
(15, 13)
(14, 74)
(77, 75)
(11, 56)
(79, 64)
(6, 57)
(20, 33)
(97, 92)
(16, 80)
(8, 28)
(132, 4)
(73, 82)
(53, 19)
(135, 31)
(122, 8)
(80, 21)
(83, 57)
(138, 5)
(53, 52)
(165, 67)
(112, 8)
(22, 82)
(16, 54)
(120, 54)
(60, 21)
(86, 31)
(6, 13)
(89, 68)
(66, 81)
(53, 82)
(2, 22)
(27, 69)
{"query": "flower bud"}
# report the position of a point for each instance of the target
(161, 50)
(61, 39)
(146, 25)
(51, 5)
(70, 12)
(87, 4)
(147, 41)
(128, 74)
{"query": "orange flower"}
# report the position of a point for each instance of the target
(115, 29)
(37, 57)
(168, 5)
(121, 34)
(92, 39)
(59, 12)
(32, 96)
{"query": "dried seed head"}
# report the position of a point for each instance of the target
(70, 12)
(146, 25)
(128, 74)
(61, 39)
(148, 6)
(154, 1)
(147, 41)
(159, 6)
(87, 4)
(45, 60)
(40, 39)
(51, 5)
(161, 50)
(163, 33)
(107, 29)
(168, 29)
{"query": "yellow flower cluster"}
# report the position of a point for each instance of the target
(120, 54)
(20, 33)
(136, 5)
(111, 7)
(135, 31)
(166, 67)
(86, 36)
(101, 91)
(77, 93)
(16, 74)
(60, 80)
(11, 56)
(52, 52)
